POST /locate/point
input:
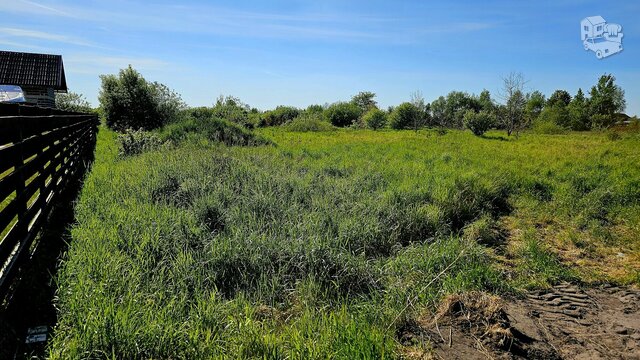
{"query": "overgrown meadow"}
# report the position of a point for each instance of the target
(324, 244)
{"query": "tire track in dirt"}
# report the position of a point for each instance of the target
(565, 322)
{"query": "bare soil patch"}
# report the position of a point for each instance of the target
(565, 322)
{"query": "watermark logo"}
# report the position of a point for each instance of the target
(601, 38)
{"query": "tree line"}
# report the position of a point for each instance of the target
(128, 101)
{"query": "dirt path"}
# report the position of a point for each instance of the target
(563, 323)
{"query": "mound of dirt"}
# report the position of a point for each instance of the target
(565, 322)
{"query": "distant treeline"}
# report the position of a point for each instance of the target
(128, 101)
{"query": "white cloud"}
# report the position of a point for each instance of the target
(40, 35)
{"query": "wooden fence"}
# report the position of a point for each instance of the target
(41, 152)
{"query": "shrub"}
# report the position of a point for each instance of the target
(314, 109)
(133, 142)
(404, 116)
(232, 109)
(478, 122)
(307, 123)
(280, 115)
(342, 114)
(200, 113)
(130, 102)
(213, 129)
(375, 119)
(547, 127)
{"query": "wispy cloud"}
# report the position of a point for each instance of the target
(46, 8)
(93, 62)
(40, 35)
(33, 8)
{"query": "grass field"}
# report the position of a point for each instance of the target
(323, 244)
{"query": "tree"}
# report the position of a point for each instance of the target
(513, 112)
(485, 102)
(169, 103)
(404, 116)
(535, 102)
(607, 98)
(375, 119)
(73, 102)
(579, 112)
(457, 103)
(438, 109)
(559, 97)
(557, 115)
(343, 114)
(365, 100)
(478, 122)
(423, 117)
(130, 102)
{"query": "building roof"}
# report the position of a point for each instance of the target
(595, 20)
(27, 69)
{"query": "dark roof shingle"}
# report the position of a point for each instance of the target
(27, 69)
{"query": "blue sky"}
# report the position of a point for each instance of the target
(298, 53)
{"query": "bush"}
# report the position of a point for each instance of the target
(130, 102)
(478, 122)
(133, 142)
(342, 114)
(547, 127)
(375, 119)
(213, 129)
(308, 123)
(281, 115)
(232, 109)
(404, 116)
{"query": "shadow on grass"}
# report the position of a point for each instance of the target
(495, 137)
(30, 300)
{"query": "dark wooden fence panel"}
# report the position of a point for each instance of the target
(41, 151)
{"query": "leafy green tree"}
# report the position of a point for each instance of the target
(579, 112)
(512, 113)
(343, 114)
(535, 102)
(73, 102)
(457, 103)
(559, 97)
(438, 109)
(130, 102)
(424, 117)
(556, 115)
(607, 98)
(478, 122)
(375, 118)
(404, 116)
(485, 102)
(365, 100)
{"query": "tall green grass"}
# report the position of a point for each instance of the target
(321, 246)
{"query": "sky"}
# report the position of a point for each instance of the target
(294, 52)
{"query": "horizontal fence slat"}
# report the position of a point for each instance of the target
(34, 142)
(7, 157)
